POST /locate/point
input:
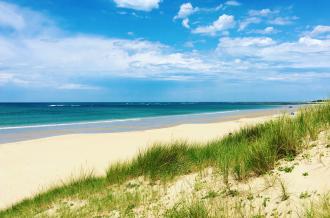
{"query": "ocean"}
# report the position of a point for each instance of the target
(22, 121)
(20, 115)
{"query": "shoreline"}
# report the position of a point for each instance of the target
(32, 166)
(30, 132)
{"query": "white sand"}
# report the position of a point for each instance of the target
(28, 167)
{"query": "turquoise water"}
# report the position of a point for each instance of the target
(47, 114)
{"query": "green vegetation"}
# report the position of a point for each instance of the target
(287, 169)
(249, 152)
(321, 209)
(285, 195)
(211, 194)
(304, 195)
(194, 210)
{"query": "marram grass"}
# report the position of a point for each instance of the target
(320, 209)
(250, 151)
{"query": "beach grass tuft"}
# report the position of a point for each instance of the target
(320, 209)
(193, 210)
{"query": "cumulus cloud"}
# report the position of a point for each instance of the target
(224, 22)
(90, 56)
(185, 11)
(305, 52)
(42, 57)
(142, 5)
(65, 61)
(266, 59)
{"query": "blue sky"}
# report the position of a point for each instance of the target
(161, 50)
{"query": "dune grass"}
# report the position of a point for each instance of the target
(193, 210)
(320, 209)
(248, 152)
(251, 151)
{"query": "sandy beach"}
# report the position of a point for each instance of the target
(29, 167)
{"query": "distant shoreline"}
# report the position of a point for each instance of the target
(22, 133)
(34, 115)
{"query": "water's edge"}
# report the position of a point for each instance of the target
(21, 133)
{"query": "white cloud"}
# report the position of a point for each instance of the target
(56, 59)
(281, 21)
(298, 76)
(217, 8)
(227, 42)
(310, 41)
(267, 30)
(24, 21)
(261, 58)
(64, 61)
(191, 44)
(306, 52)
(224, 22)
(185, 23)
(5, 77)
(76, 86)
(211, 9)
(142, 5)
(9, 16)
(250, 20)
(38, 60)
(258, 16)
(320, 29)
(232, 3)
(265, 15)
(262, 13)
(103, 55)
(185, 11)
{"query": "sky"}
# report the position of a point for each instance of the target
(162, 50)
